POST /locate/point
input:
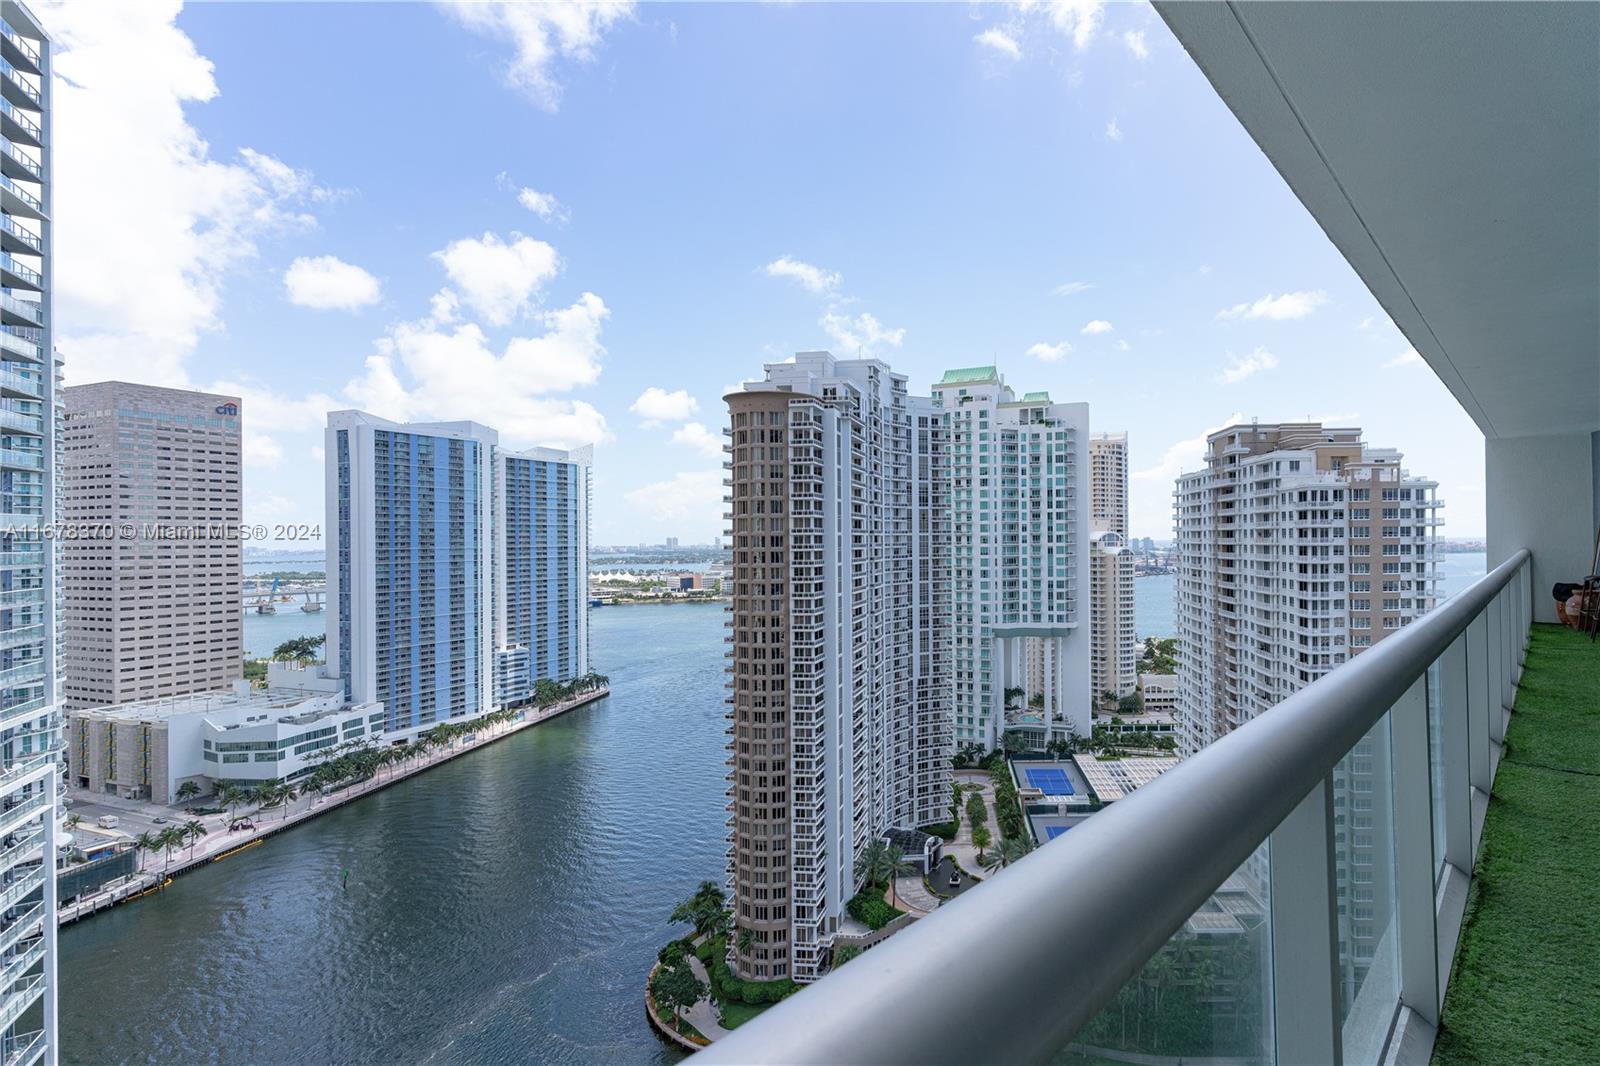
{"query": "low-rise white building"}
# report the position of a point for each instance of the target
(1160, 693)
(236, 735)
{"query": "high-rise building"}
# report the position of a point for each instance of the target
(541, 569)
(151, 599)
(1298, 547)
(30, 724)
(1020, 558)
(410, 622)
(1114, 649)
(838, 668)
(1113, 654)
(1108, 482)
(457, 570)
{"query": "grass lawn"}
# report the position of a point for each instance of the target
(736, 1014)
(1526, 981)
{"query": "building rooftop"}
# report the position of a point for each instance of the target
(258, 700)
(972, 375)
(1112, 779)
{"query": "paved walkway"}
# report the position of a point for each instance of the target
(913, 896)
(961, 848)
(703, 1015)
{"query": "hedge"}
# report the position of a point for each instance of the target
(728, 988)
(944, 830)
(1006, 809)
(870, 909)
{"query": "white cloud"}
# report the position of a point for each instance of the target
(692, 496)
(1409, 357)
(1078, 19)
(1183, 455)
(1135, 43)
(1072, 288)
(421, 371)
(1121, 346)
(1366, 323)
(1113, 131)
(1099, 325)
(1278, 308)
(998, 40)
(540, 34)
(148, 225)
(327, 283)
(542, 204)
(1048, 353)
(259, 449)
(700, 438)
(656, 405)
(1240, 367)
(863, 334)
(812, 278)
(499, 280)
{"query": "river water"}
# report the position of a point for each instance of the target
(504, 907)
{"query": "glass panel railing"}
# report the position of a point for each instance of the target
(1206, 995)
(28, 90)
(20, 193)
(28, 164)
(1436, 786)
(26, 236)
(1364, 887)
(29, 50)
(25, 309)
(26, 273)
(28, 126)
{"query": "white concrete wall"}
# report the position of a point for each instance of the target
(1542, 495)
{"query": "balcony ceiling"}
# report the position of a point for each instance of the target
(1452, 153)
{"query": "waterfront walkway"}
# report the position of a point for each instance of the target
(703, 1015)
(219, 843)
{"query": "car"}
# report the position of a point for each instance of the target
(159, 820)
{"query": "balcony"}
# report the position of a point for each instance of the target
(1297, 888)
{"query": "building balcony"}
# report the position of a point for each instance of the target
(17, 200)
(19, 51)
(17, 89)
(14, 238)
(17, 125)
(21, 313)
(16, 275)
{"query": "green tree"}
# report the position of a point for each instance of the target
(676, 988)
(187, 791)
(169, 838)
(299, 649)
(980, 839)
(74, 820)
(704, 910)
(144, 843)
(1013, 742)
(194, 829)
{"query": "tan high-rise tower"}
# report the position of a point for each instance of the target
(153, 607)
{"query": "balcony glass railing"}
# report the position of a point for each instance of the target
(28, 238)
(22, 194)
(28, 126)
(25, 309)
(29, 166)
(1289, 894)
(29, 50)
(15, 75)
(26, 273)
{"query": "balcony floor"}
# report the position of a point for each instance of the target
(1527, 970)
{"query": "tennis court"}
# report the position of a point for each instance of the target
(1049, 780)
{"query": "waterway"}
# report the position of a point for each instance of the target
(503, 907)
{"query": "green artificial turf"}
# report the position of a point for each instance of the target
(1526, 981)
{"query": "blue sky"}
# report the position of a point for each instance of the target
(532, 216)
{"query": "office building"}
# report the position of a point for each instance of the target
(410, 621)
(30, 724)
(541, 568)
(838, 683)
(237, 735)
(1020, 559)
(151, 601)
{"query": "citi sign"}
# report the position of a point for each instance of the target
(228, 409)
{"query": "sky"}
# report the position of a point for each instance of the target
(585, 223)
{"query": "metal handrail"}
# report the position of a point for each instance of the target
(1082, 916)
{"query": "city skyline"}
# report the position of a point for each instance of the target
(573, 275)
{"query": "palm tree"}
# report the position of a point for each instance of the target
(169, 838)
(144, 842)
(230, 796)
(1012, 849)
(194, 829)
(872, 865)
(747, 939)
(74, 820)
(898, 866)
(187, 791)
